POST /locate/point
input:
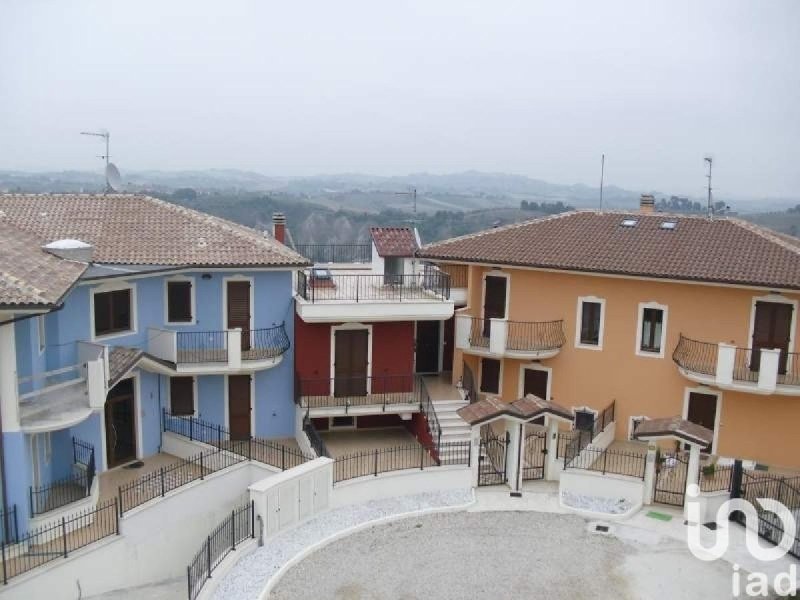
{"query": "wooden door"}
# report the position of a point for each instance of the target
(448, 343)
(494, 301)
(535, 382)
(427, 347)
(239, 309)
(350, 362)
(584, 420)
(772, 328)
(120, 420)
(703, 411)
(239, 406)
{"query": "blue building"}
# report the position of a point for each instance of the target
(116, 308)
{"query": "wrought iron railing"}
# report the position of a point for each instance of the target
(604, 419)
(431, 285)
(202, 346)
(479, 332)
(458, 274)
(429, 412)
(745, 365)
(792, 374)
(8, 521)
(715, 478)
(237, 527)
(530, 336)
(269, 342)
(468, 383)
(606, 460)
(314, 438)
(358, 252)
(413, 456)
(65, 490)
(344, 392)
(696, 356)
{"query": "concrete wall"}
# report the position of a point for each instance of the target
(588, 483)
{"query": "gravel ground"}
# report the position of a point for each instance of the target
(249, 576)
(503, 555)
(598, 504)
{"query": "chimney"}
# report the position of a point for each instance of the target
(75, 250)
(279, 227)
(647, 204)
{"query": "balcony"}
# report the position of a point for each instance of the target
(379, 394)
(459, 277)
(328, 295)
(528, 340)
(64, 397)
(207, 352)
(756, 371)
(355, 253)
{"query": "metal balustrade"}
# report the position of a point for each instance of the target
(432, 285)
(358, 252)
(346, 392)
(527, 336)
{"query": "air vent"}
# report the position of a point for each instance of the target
(629, 222)
(669, 225)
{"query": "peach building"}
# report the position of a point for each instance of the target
(664, 314)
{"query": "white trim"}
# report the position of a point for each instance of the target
(579, 322)
(717, 414)
(583, 409)
(499, 376)
(193, 302)
(535, 367)
(662, 345)
(352, 327)
(195, 401)
(225, 280)
(225, 398)
(112, 287)
(197, 270)
(495, 273)
(631, 419)
(41, 333)
(777, 299)
(332, 427)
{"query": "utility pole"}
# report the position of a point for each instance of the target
(105, 135)
(709, 160)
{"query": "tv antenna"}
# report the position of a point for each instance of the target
(412, 191)
(602, 173)
(709, 160)
(113, 180)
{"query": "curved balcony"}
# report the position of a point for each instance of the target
(219, 351)
(757, 371)
(529, 340)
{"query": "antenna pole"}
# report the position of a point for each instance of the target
(709, 160)
(106, 136)
(602, 174)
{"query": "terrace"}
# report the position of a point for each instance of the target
(534, 340)
(391, 394)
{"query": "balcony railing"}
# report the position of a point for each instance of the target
(458, 274)
(358, 252)
(348, 392)
(70, 489)
(431, 285)
(500, 336)
(725, 365)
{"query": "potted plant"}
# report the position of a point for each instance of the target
(709, 470)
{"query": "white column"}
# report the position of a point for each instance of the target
(726, 355)
(475, 452)
(692, 472)
(497, 337)
(463, 324)
(9, 403)
(649, 474)
(550, 464)
(768, 369)
(513, 454)
(235, 348)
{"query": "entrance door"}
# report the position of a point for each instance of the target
(534, 382)
(350, 362)
(447, 344)
(428, 346)
(584, 420)
(772, 328)
(120, 418)
(494, 301)
(238, 293)
(239, 406)
(703, 411)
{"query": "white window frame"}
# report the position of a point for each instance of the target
(41, 332)
(717, 414)
(579, 322)
(535, 367)
(351, 327)
(113, 287)
(194, 393)
(496, 273)
(662, 346)
(631, 420)
(777, 299)
(180, 279)
(499, 392)
(224, 321)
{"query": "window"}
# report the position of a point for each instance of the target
(112, 312)
(42, 333)
(590, 323)
(179, 302)
(652, 326)
(393, 270)
(343, 423)
(584, 420)
(490, 375)
(181, 395)
(634, 425)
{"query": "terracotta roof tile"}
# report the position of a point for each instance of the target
(674, 427)
(121, 359)
(723, 250)
(394, 241)
(140, 230)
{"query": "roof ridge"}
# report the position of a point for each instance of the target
(767, 234)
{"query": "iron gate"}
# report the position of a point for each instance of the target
(533, 455)
(670, 480)
(492, 460)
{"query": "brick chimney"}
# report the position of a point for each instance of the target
(647, 204)
(279, 227)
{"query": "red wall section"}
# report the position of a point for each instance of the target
(312, 349)
(393, 355)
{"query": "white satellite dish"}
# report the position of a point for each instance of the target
(113, 177)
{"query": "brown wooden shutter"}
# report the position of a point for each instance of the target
(490, 375)
(181, 395)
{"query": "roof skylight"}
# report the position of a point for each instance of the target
(629, 222)
(669, 225)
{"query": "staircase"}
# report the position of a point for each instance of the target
(446, 400)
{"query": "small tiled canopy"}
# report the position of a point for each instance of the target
(524, 409)
(674, 428)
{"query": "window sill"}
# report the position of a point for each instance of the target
(109, 336)
(648, 354)
(589, 346)
(180, 323)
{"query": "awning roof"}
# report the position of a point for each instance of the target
(524, 409)
(674, 428)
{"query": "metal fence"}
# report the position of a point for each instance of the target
(792, 374)
(429, 412)
(66, 490)
(344, 392)
(605, 460)
(8, 521)
(534, 336)
(431, 285)
(604, 419)
(43, 545)
(414, 456)
(358, 252)
(479, 332)
(716, 479)
(268, 342)
(202, 346)
(236, 528)
(696, 356)
(458, 274)
(314, 438)
(746, 365)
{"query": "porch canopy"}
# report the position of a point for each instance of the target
(525, 409)
(674, 428)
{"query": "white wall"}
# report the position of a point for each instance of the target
(588, 483)
(400, 483)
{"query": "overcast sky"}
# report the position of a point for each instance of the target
(301, 88)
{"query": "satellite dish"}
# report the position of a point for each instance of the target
(113, 177)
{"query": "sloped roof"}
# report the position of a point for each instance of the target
(524, 409)
(121, 360)
(139, 230)
(29, 276)
(722, 250)
(674, 428)
(394, 241)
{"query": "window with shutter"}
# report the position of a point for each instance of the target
(181, 395)
(179, 302)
